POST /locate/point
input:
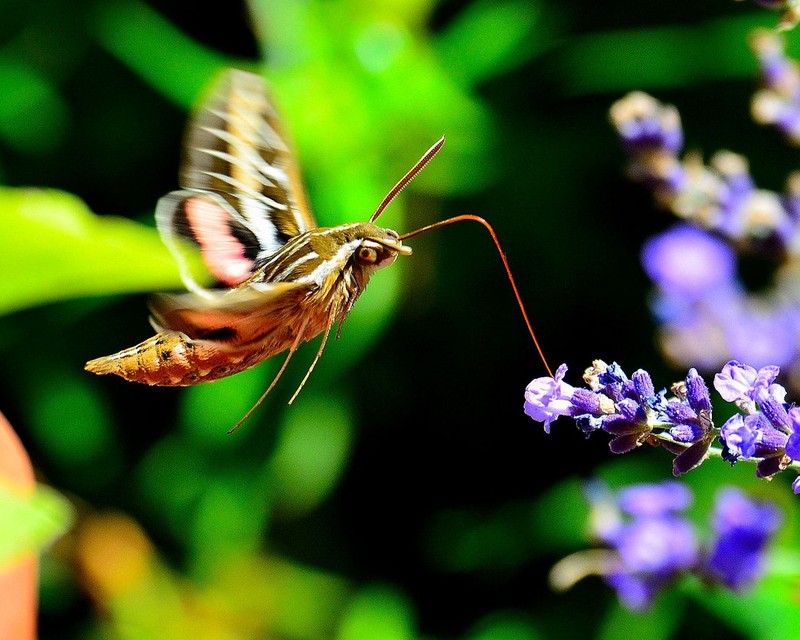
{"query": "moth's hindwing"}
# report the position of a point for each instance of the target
(242, 198)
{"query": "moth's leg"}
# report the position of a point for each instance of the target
(313, 362)
(298, 339)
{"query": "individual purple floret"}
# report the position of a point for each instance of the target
(548, 398)
(743, 528)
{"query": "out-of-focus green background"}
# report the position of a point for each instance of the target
(404, 495)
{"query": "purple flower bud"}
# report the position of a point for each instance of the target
(643, 384)
(632, 411)
(548, 398)
(686, 433)
(697, 392)
(743, 528)
(677, 412)
(774, 410)
(586, 401)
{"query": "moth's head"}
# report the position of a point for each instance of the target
(378, 247)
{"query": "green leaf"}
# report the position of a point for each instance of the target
(54, 248)
(38, 519)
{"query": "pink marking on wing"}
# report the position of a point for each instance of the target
(222, 252)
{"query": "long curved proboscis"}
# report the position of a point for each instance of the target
(469, 216)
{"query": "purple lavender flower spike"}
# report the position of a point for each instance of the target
(548, 398)
(652, 545)
(650, 542)
(766, 431)
(743, 528)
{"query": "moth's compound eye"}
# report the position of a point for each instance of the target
(366, 255)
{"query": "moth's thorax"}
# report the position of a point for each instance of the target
(354, 250)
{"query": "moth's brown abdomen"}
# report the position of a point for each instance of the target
(172, 359)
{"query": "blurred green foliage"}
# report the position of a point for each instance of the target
(37, 518)
(403, 495)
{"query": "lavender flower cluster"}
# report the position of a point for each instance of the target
(649, 542)
(765, 430)
(706, 316)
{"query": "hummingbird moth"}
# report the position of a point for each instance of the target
(280, 280)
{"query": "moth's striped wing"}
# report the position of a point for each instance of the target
(242, 197)
(245, 316)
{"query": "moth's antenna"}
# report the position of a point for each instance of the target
(407, 178)
(469, 216)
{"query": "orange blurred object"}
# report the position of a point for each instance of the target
(18, 581)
